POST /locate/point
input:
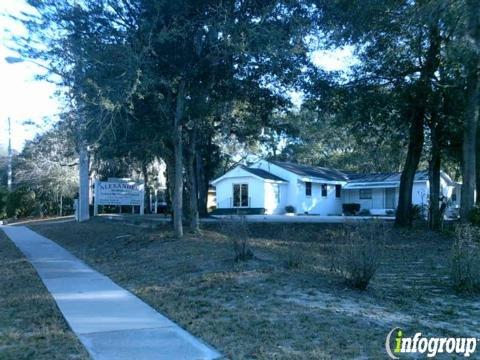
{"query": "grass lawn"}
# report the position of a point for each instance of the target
(264, 309)
(31, 325)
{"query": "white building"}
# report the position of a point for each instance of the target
(270, 186)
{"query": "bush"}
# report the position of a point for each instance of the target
(474, 216)
(289, 209)
(361, 253)
(351, 209)
(465, 265)
(3, 202)
(237, 231)
(21, 203)
(417, 212)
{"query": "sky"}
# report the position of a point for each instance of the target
(22, 98)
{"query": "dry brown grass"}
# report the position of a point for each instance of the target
(262, 309)
(31, 325)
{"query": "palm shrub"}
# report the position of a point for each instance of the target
(465, 255)
(474, 215)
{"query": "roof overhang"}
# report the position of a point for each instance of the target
(322, 181)
(376, 185)
(228, 175)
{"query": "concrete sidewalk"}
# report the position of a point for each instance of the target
(111, 322)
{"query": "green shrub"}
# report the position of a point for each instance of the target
(3, 202)
(21, 203)
(364, 212)
(465, 264)
(351, 209)
(474, 216)
(417, 212)
(289, 209)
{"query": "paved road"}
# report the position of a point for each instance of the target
(111, 322)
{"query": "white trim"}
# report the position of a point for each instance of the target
(224, 176)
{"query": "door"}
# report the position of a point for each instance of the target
(240, 195)
(390, 198)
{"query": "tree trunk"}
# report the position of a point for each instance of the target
(170, 174)
(471, 112)
(178, 160)
(146, 188)
(434, 176)
(202, 185)
(477, 171)
(192, 184)
(83, 193)
(415, 145)
(61, 205)
(416, 137)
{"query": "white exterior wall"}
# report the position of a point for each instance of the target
(290, 191)
(420, 193)
(295, 193)
(316, 204)
(271, 205)
(261, 192)
(376, 202)
(224, 189)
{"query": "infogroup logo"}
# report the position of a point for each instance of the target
(397, 343)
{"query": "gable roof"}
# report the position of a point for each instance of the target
(263, 174)
(312, 171)
(258, 173)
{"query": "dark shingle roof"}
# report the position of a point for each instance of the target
(263, 174)
(392, 177)
(313, 171)
(384, 177)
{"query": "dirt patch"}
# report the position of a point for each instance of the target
(262, 309)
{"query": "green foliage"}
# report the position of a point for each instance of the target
(21, 203)
(417, 212)
(351, 209)
(289, 209)
(3, 202)
(474, 216)
(465, 267)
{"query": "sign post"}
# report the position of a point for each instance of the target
(119, 192)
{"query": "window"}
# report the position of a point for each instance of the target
(365, 193)
(338, 191)
(240, 195)
(324, 190)
(308, 189)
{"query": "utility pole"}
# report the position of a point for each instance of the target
(9, 170)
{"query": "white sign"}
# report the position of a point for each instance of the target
(119, 192)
